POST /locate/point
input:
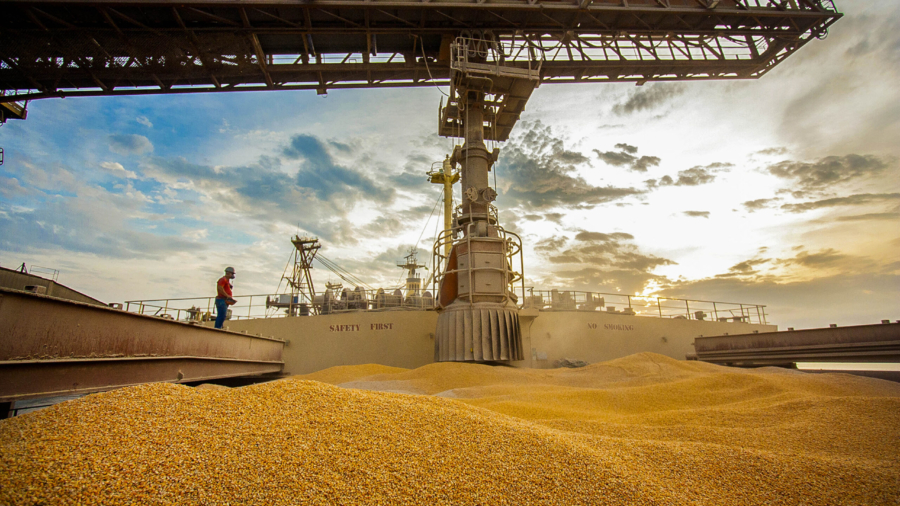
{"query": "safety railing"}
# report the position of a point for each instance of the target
(504, 244)
(198, 309)
(492, 216)
(47, 272)
(639, 305)
(202, 309)
(487, 55)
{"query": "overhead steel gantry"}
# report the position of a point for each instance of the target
(130, 47)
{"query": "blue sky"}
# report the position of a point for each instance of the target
(782, 191)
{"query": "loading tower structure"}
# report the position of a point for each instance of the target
(491, 53)
(300, 297)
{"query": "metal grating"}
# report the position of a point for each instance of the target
(100, 47)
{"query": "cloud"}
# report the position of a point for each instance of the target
(144, 121)
(414, 172)
(378, 269)
(129, 144)
(656, 183)
(882, 42)
(552, 244)
(93, 221)
(383, 265)
(627, 148)
(395, 222)
(645, 162)
(626, 157)
(11, 188)
(842, 98)
(616, 159)
(838, 285)
(118, 170)
(319, 173)
(53, 177)
(411, 179)
(395, 255)
(586, 236)
(745, 268)
(301, 185)
(695, 176)
(831, 170)
(554, 217)
(797, 194)
(602, 280)
(756, 205)
(648, 97)
(852, 200)
(597, 260)
(842, 298)
(697, 214)
(870, 217)
(340, 146)
(772, 151)
(823, 259)
(540, 173)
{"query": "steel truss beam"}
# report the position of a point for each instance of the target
(104, 47)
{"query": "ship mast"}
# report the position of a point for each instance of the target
(413, 281)
(446, 177)
(301, 300)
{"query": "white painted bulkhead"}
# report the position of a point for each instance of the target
(595, 336)
(406, 338)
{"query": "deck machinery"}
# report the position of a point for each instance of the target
(491, 53)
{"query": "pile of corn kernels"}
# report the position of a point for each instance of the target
(645, 429)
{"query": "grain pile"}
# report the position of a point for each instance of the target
(640, 430)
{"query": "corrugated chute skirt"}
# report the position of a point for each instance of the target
(483, 332)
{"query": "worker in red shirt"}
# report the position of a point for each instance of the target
(223, 296)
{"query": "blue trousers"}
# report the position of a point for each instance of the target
(221, 310)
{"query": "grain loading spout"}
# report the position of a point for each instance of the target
(479, 319)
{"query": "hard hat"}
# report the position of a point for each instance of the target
(229, 269)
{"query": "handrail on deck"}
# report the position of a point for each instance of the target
(643, 305)
(274, 306)
(202, 309)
